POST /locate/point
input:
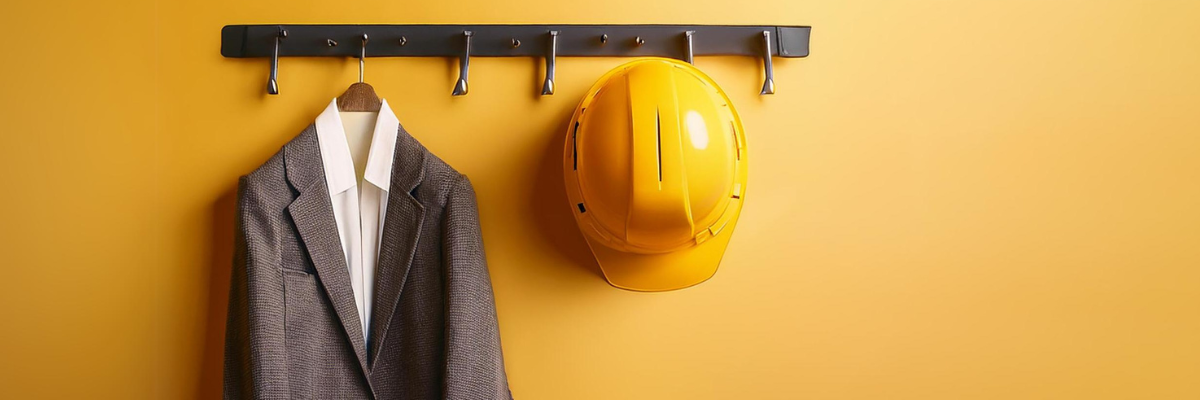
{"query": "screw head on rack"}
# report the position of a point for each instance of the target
(403, 40)
(604, 38)
(639, 40)
(516, 43)
(330, 42)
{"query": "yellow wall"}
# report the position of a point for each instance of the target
(948, 200)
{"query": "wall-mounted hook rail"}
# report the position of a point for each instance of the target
(548, 86)
(689, 57)
(464, 64)
(464, 41)
(768, 69)
(273, 81)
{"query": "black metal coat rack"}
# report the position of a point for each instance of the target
(548, 41)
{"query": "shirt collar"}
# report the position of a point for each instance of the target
(335, 152)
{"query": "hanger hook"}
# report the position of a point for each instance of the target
(361, 57)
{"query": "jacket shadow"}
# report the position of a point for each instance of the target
(549, 205)
(221, 265)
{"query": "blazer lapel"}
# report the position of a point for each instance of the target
(313, 214)
(401, 231)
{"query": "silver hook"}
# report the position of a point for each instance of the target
(688, 36)
(273, 82)
(361, 59)
(464, 63)
(769, 83)
(548, 86)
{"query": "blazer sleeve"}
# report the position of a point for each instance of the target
(474, 363)
(255, 362)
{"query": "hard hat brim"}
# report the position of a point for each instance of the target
(662, 272)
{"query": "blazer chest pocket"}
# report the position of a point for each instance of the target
(295, 258)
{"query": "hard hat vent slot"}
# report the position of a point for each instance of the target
(581, 209)
(658, 132)
(575, 147)
(736, 143)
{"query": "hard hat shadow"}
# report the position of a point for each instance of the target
(550, 208)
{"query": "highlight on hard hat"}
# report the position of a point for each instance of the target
(655, 171)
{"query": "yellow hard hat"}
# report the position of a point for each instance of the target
(655, 169)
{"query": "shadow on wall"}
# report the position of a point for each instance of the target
(211, 368)
(551, 211)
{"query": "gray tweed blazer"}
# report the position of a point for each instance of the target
(293, 330)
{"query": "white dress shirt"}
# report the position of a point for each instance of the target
(358, 208)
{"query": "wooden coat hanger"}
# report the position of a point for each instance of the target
(360, 96)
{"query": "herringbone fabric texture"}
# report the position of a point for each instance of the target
(293, 330)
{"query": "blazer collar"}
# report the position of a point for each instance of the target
(408, 165)
(312, 212)
(401, 231)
